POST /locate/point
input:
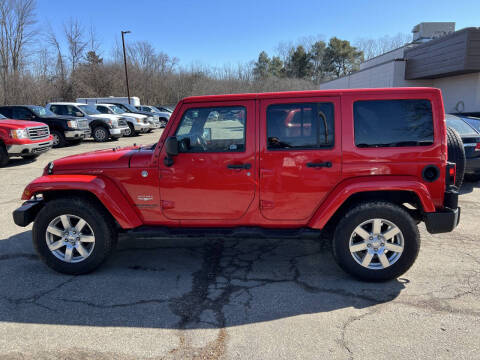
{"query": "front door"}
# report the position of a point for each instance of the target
(213, 176)
(300, 157)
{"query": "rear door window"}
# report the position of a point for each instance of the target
(300, 126)
(392, 123)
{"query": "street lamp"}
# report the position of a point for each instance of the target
(125, 61)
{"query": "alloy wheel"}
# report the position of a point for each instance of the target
(376, 244)
(70, 238)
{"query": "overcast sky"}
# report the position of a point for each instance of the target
(219, 32)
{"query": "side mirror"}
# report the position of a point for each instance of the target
(171, 148)
(78, 114)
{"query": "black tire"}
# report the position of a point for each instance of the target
(372, 210)
(96, 217)
(163, 122)
(456, 154)
(58, 139)
(30, 156)
(131, 131)
(3, 155)
(100, 134)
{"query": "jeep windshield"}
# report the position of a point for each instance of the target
(89, 109)
(41, 111)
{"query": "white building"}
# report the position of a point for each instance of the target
(439, 57)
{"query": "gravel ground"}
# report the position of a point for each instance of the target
(234, 299)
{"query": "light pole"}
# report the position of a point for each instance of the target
(125, 61)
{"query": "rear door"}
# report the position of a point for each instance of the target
(300, 155)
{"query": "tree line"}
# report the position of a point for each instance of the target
(42, 66)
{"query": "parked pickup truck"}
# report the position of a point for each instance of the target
(363, 165)
(103, 126)
(27, 139)
(65, 130)
(137, 123)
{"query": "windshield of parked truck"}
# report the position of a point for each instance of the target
(89, 109)
(116, 109)
(41, 111)
(129, 107)
(2, 117)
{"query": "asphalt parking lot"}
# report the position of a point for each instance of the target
(234, 299)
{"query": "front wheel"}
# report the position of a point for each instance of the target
(73, 236)
(58, 139)
(376, 241)
(100, 134)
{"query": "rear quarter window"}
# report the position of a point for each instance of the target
(393, 123)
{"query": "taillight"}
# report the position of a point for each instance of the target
(477, 148)
(451, 173)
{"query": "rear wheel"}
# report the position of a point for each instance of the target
(73, 236)
(100, 134)
(456, 154)
(376, 241)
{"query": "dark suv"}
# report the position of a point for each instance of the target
(64, 129)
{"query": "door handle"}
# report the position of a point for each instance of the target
(239, 166)
(326, 164)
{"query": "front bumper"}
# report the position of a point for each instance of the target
(118, 131)
(77, 134)
(27, 149)
(446, 219)
(27, 213)
(141, 127)
(154, 125)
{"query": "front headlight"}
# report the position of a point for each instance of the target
(72, 124)
(19, 134)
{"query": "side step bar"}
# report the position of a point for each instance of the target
(237, 232)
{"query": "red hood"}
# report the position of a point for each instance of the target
(18, 124)
(100, 159)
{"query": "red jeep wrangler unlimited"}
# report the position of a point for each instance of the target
(368, 164)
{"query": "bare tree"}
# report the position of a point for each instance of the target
(74, 34)
(379, 46)
(17, 20)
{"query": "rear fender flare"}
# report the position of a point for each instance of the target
(103, 188)
(343, 191)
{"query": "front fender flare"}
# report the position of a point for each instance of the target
(352, 186)
(103, 188)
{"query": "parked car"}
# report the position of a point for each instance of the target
(369, 164)
(162, 115)
(103, 126)
(137, 123)
(153, 119)
(64, 130)
(471, 142)
(27, 139)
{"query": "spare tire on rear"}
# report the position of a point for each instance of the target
(456, 154)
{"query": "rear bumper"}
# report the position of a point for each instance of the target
(26, 149)
(27, 213)
(442, 221)
(448, 218)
